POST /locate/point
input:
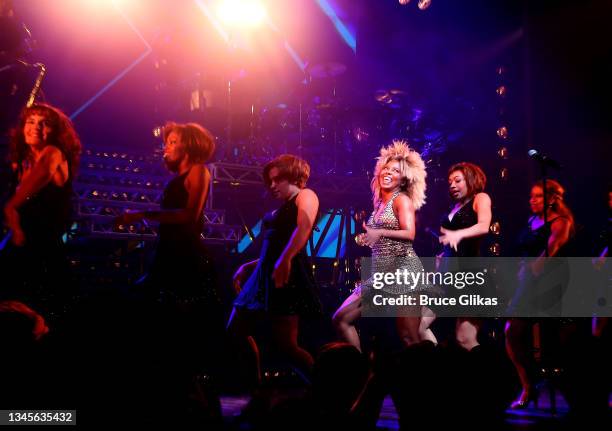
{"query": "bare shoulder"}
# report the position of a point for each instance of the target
(198, 172)
(403, 201)
(52, 152)
(196, 180)
(307, 196)
(307, 199)
(560, 223)
(482, 199)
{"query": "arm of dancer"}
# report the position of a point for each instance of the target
(197, 185)
(307, 207)
(41, 174)
(559, 234)
(482, 206)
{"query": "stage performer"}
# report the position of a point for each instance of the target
(463, 229)
(44, 156)
(279, 287)
(398, 188)
(556, 232)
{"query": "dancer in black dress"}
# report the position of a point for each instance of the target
(188, 320)
(555, 233)
(463, 229)
(181, 270)
(279, 286)
(44, 153)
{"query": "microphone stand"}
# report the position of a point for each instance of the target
(37, 84)
(544, 163)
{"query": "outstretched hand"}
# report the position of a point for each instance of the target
(450, 237)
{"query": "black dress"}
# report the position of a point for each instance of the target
(299, 296)
(190, 322)
(38, 272)
(531, 299)
(182, 270)
(532, 242)
(464, 218)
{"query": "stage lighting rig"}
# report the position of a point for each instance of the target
(424, 4)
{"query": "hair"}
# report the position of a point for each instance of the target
(291, 168)
(412, 172)
(63, 136)
(475, 178)
(555, 189)
(199, 142)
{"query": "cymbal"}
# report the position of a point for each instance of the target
(392, 97)
(326, 70)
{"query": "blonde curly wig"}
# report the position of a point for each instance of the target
(412, 171)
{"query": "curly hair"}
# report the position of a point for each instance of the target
(63, 136)
(199, 142)
(555, 190)
(291, 168)
(475, 178)
(412, 172)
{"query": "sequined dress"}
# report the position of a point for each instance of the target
(390, 254)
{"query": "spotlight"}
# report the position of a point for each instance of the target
(424, 4)
(241, 13)
(503, 173)
(501, 70)
(404, 2)
(157, 132)
(495, 228)
(502, 132)
(501, 91)
(495, 249)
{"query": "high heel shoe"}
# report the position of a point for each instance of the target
(526, 397)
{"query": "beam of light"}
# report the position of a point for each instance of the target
(241, 13)
(292, 52)
(246, 240)
(211, 17)
(294, 55)
(340, 27)
(121, 74)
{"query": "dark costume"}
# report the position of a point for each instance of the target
(182, 270)
(190, 332)
(464, 218)
(38, 272)
(299, 296)
(530, 298)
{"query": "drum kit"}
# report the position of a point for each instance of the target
(317, 121)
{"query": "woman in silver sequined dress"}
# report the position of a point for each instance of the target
(398, 188)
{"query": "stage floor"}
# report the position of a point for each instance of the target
(540, 418)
